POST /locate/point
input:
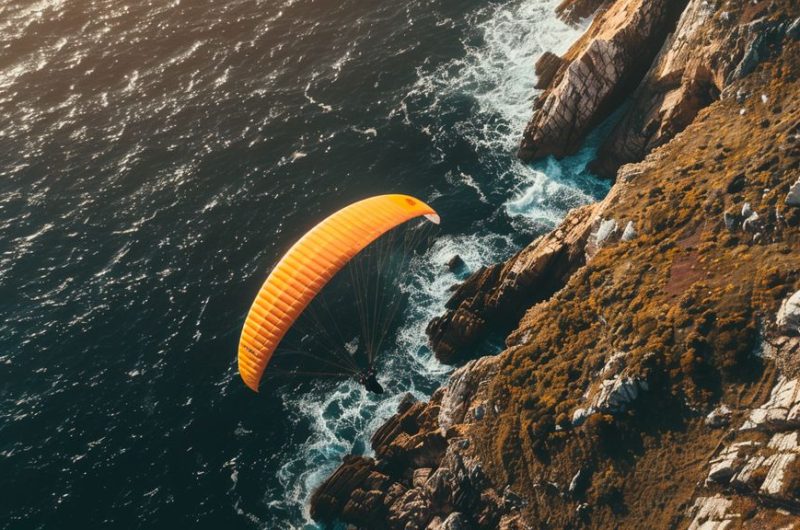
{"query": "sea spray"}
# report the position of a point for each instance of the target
(496, 75)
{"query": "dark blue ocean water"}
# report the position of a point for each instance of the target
(156, 158)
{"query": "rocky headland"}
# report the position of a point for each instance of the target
(651, 375)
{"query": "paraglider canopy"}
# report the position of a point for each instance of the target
(308, 266)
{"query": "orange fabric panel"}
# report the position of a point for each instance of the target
(305, 269)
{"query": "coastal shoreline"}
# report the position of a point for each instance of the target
(651, 364)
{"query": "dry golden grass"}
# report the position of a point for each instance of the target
(686, 299)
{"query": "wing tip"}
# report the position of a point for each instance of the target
(433, 217)
(252, 385)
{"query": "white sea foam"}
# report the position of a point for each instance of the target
(497, 74)
(343, 417)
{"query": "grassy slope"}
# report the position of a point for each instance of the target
(686, 299)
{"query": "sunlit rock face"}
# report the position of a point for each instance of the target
(713, 46)
(596, 73)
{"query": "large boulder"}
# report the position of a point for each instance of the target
(573, 11)
(330, 498)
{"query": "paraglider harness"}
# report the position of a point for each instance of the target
(368, 379)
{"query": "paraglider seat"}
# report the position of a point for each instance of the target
(370, 382)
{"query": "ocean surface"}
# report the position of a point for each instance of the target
(156, 158)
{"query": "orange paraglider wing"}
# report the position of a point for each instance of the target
(305, 269)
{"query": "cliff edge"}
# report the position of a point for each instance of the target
(651, 376)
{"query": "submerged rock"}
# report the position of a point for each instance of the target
(456, 264)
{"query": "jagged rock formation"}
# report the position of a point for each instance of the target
(763, 467)
(713, 46)
(494, 298)
(677, 340)
(498, 295)
(615, 392)
(597, 72)
(424, 475)
(781, 411)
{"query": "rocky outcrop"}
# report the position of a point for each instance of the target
(711, 513)
(597, 72)
(765, 466)
(782, 339)
(423, 475)
(496, 296)
(458, 403)
(781, 410)
(719, 417)
(631, 48)
(629, 234)
(615, 393)
(350, 492)
(547, 66)
(712, 46)
(765, 470)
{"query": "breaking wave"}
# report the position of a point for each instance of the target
(482, 99)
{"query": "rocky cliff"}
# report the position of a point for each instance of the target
(651, 376)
